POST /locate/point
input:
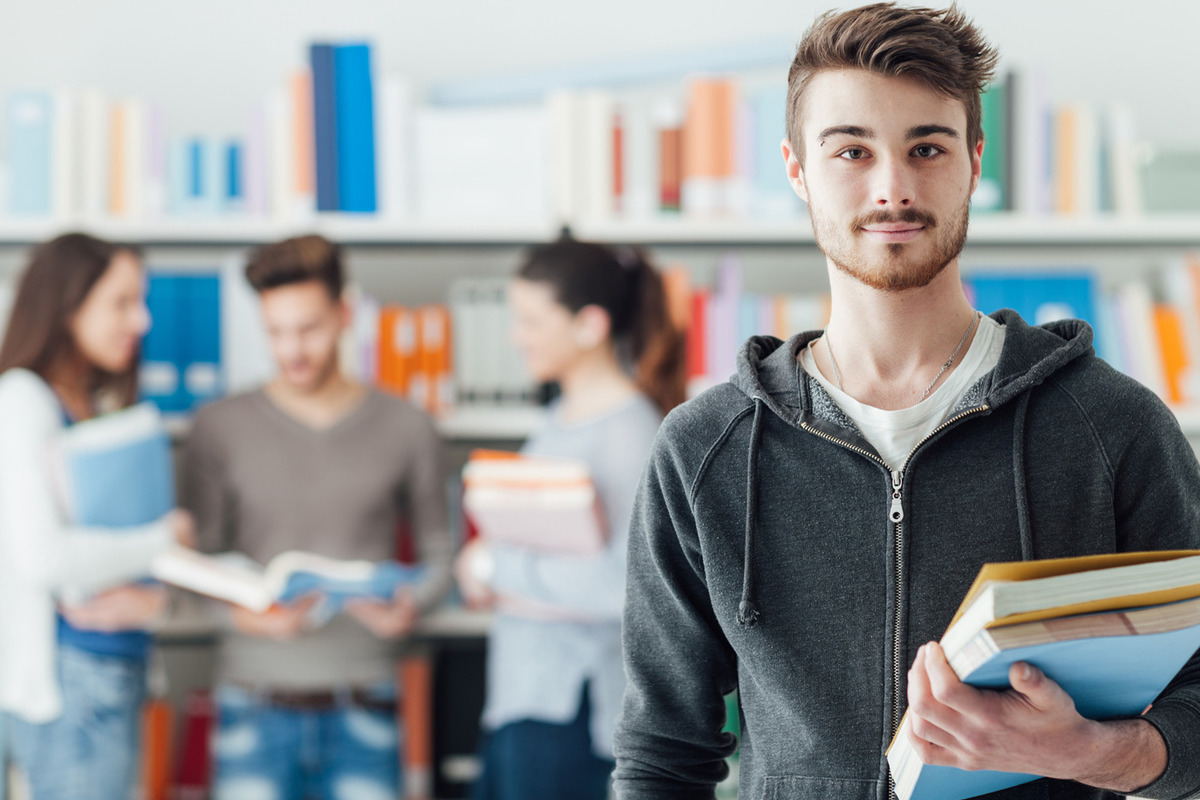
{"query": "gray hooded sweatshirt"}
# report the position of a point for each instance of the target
(772, 551)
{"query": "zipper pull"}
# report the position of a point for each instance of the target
(897, 512)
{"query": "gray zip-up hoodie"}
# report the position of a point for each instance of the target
(772, 551)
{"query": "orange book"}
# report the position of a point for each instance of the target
(416, 720)
(118, 198)
(697, 333)
(677, 285)
(1169, 329)
(1065, 180)
(397, 349)
(708, 140)
(300, 86)
(158, 719)
(618, 149)
(433, 360)
(670, 168)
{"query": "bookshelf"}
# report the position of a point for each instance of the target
(987, 229)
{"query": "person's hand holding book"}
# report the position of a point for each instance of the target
(1032, 727)
(281, 621)
(386, 620)
(138, 606)
(182, 527)
(473, 570)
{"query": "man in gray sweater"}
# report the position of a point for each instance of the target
(805, 532)
(313, 461)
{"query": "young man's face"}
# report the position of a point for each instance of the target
(887, 175)
(304, 325)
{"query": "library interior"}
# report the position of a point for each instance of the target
(427, 167)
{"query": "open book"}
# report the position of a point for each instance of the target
(1111, 630)
(544, 504)
(288, 576)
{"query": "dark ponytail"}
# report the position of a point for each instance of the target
(621, 281)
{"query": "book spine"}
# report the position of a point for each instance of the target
(30, 123)
(325, 130)
(355, 116)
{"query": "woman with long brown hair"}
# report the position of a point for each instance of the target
(593, 319)
(72, 674)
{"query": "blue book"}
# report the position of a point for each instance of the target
(29, 124)
(234, 191)
(200, 357)
(160, 377)
(1112, 631)
(773, 195)
(1039, 298)
(117, 468)
(355, 128)
(321, 57)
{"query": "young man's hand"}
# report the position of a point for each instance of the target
(280, 622)
(1032, 727)
(386, 620)
(126, 608)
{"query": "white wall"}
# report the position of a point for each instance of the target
(207, 62)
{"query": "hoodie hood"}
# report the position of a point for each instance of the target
(770, 375)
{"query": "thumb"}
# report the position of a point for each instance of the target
(1032, 682)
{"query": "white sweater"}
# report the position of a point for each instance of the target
(42, 555)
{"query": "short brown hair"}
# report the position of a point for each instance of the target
(942, 49)
(297, 260)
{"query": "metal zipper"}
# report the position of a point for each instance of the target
(896, 517)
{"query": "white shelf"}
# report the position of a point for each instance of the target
(483, 424)
(986, 229)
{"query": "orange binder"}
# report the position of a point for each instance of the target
(300, 86)
(397, 349)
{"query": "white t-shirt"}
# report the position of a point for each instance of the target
(894, 434)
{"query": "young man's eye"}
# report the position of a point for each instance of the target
(853, 154)
(926, 150)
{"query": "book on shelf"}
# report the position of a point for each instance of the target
(181, 353)
(1111, 630)
(287, 577)
(543, 504)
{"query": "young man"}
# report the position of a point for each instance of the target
(313, 461)
(804, 533)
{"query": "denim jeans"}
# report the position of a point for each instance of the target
(90, 751)
(262, 752)
(535, 760)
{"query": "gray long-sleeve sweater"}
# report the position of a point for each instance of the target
(261, 482)
(765, 556)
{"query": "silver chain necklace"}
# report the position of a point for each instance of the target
(950, 361)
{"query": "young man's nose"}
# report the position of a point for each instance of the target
(894, 185)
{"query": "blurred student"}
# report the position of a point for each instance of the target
(593, 319)
(72, 675)
(318, 462)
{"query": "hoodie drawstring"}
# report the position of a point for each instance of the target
(1020, 478)
(747, 612)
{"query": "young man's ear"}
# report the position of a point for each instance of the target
(976, 165)
(795, 172)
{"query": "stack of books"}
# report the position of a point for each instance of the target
(1111, 630)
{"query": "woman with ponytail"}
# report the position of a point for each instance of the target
(594, 320)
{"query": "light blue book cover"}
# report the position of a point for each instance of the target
(118, 469)
(773, 195)
(29, 123)
(386, 578)
(355, 128)
(1109, 677)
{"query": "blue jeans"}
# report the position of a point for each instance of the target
(263, 752)
(90, 751)
(534, 760)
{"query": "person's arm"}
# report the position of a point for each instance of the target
(1034, 727)
(669, 741)
(587, 586)
(42, 545)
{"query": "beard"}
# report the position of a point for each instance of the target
(900, 268)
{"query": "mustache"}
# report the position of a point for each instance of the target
(912, 216)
